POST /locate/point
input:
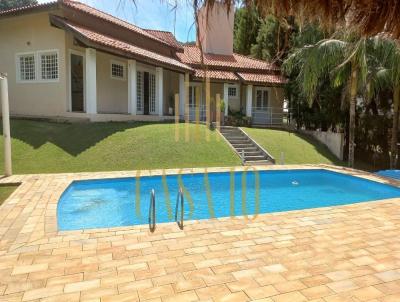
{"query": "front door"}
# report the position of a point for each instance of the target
(77, 84)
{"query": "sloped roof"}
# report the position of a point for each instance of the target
(112, 19)
(262, 78)
(29, 8)
(88, 35)
(192, 56)
(216, 74)
(165, 36)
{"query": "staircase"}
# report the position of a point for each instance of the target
(247, 149)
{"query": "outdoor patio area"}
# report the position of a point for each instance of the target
(344, 253)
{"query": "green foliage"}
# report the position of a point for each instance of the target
(272, 40)
(8, 4)
(246, 27)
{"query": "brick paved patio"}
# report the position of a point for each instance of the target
(345, 253)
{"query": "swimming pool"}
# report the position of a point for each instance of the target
(125, 201)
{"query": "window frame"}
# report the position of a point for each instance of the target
(37, 54)
(262, 90)
(18, 66)
(124, 70)
(39, 65)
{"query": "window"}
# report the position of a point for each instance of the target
(232, 92)
(139, 96)
(39, 66)
(261, 99)
(26, 67)
(117, 70)
(152, 92)
(49, 66)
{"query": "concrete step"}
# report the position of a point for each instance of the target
(254, 157)
(258, 162)
(240, 141)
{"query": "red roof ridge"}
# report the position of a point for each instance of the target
(112, 19)
(27, 7)
(256, 59)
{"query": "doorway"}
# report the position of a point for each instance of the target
(146, 91)
(77, 83)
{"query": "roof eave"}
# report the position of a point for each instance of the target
(30, 9)
(56, 22)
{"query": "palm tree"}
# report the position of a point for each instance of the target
(344, 61)
(387, 77)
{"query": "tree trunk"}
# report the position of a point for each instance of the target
(393, 145)
(352, 120)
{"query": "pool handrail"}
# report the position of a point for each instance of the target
(152, 211)
(181, 199)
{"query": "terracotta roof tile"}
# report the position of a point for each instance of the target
(122, 46)
(110, 18)
(165, 36)
(29, 8)
(192, 56)
(262, 78)
(216, 75)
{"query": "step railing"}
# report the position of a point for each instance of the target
(152, 211)
(179, 201)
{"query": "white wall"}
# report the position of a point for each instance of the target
(334, 141)
(31, 33)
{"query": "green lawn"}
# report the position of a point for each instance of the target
(297, 149)
(5, 191)
(45, 147)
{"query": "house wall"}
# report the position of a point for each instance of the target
(31, 33)
(112, 94)
(171, 87)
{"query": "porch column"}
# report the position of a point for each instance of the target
(182, 94)
(226, 98)
(160, 89)
(249, 100)
(132, 88)
(91, 84)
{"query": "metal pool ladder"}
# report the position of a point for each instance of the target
(152, 211)
(179, 200)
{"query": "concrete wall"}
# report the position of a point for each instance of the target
(32, 33)
(216, 29)
(334, 141)
(112, 94)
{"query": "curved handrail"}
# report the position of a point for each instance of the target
(181, 199)
(152, 211)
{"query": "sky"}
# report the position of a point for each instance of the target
(151, 14)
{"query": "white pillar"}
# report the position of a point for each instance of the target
(160, 90)
(6, 124)
(182, 94)
(132, 87)
(91, 83)
(249, 100)
(226, 98)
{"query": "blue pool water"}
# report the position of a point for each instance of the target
(125, 201)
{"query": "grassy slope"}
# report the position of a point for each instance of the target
(6, 191)
(297, 149)
(44, 147)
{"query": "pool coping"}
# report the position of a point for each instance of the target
(51, 226)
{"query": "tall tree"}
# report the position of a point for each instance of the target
(387, 77)
(344, 59)
(8, 4)
(273, 39)
(246, 27)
